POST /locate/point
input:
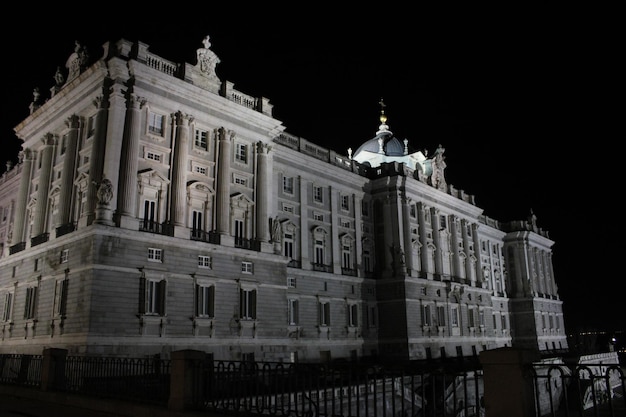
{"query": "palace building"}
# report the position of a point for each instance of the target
(155, 208)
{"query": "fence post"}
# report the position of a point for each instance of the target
(53, 369)
(186, 369)
(507, 383)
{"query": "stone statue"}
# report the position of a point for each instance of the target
(276, 230)
(105, 192)
(207, 60)
(437, 178)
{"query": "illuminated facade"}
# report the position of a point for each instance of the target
(155, 208)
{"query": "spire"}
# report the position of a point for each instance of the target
(383, 118)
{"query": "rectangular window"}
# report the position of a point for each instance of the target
(155, 123)
(353, 319)
(291, 282)
(319, 252)
(246, 267)
(292, 310)
(201, 141)
(155, 255)
(288, 245)
(503, 322)
(324, 313)
(31, 303)
(241, 153)
(200, 170)
(60, 297)
(442, 222)
(91, 126)
(367, 267)
(152, 297)
(318, 195)
(240, 181)
(413, 211)
(36, 268)
(65, 255)
(247, 304)
(318, 217)
(205, 301)
(8, 307)
(365, 208)
(454, 316)
(471, 317)
(204, 261)
(345, 202)
(345, 257)
(153, 156)
(481, 318)
(441, 316)
(426, 320)
(288, 185)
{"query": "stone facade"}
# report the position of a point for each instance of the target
(155, 208)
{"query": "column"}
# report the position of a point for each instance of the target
(423, 236)
(127, 196)
(454, 242)
(67, 174)
(26, 159)
(406, 229)
(96, 158)
(434, 221)
(179, 169)
(305, 234)
(223, 181)
(478, 270)
(41, 208)
(335, 197)
(358, 234)
(262, 191)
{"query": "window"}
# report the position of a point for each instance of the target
(288, 245)
(246, 267)
(318, 216)
(205, 300)
(196, 220)
(454, 316)
(292, 311)
(287, 208)
(426, 320)
(291, 282)
(319, 252)
(345, 202)
(60, 297)
(345, 257)
(413, 211)
(31, 303)
(153, 156)
(155, 255)
(241, 153)
(198, 169)
(36, 267)
(91, 126)
(288, 185)
(318, 195)
(345, 223)
(471, 317)
(247, 304)
(371, 316)
(481, 318)
(63, 145)
(65, 254)
(204, 261)
(367, 266)
(353, 315)
(324, 307)
(441, 316)
(155, 123)
(152, 296)
(8, 307)
(240, 181)
(503, 322)
(442, 222)
(201, 141)
(149, 214)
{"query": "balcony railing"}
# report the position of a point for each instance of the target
(251, 244)
(65, 229)
(201, 235)
(38, 240)
(157, 228)
(348, 271)
(321, 267)
(18, 247)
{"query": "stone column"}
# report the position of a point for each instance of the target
(358, 235)
(335, 244)
(45, 171)
(179, 169)
(423, 236)
(434, 221)
(305, 233)
(26, 159)
(96, 158)
(127, 196)
(223, 181)
(67, 175)
(480, 279)
(406, 230)
(262, 191)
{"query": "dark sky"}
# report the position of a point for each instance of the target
(523, 101)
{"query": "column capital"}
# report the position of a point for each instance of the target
(72, 122)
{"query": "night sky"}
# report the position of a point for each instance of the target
(522, 100)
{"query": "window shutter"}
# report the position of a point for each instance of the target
(142, 295)
(253, 304)
(241, 302)
(296, 312)
(64, 289)
(196, 300)
(211, 301)
(161, 295)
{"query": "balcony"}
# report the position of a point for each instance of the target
(38, 240)
(251, 244)
(294, 263)
(348, 271)
(65, 229)
(18, 247)
(321, 267)
(202, 236)
(157, 228)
